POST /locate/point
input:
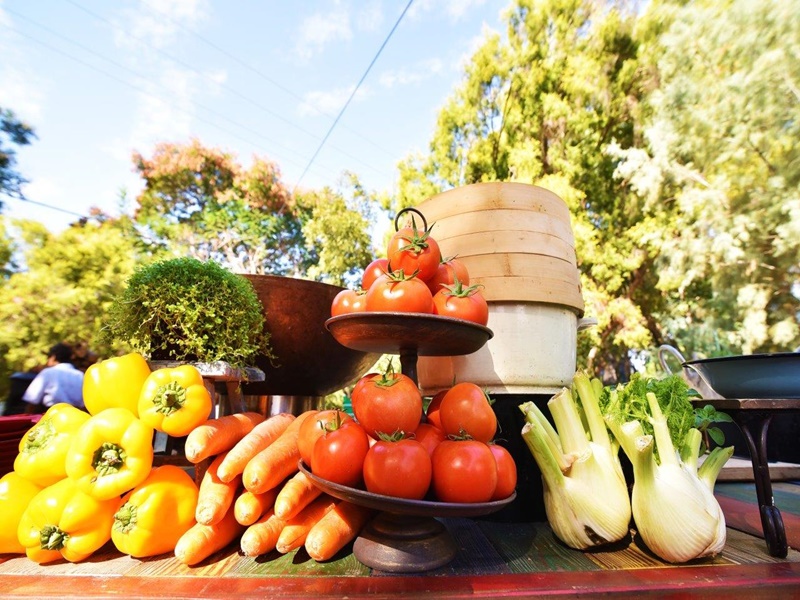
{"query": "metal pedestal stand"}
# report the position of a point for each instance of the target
(753, 417)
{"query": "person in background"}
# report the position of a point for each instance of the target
(58, 382)
(82, 356)
(18, 383)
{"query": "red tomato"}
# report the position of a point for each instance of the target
(348, 301)
(429, 436)
(314, 427)
(390, 294)
(339, 454)
(462, 303)
(398, 468)
(432, 412)
(464, 471)
(375, 269)
(506, 472)
(465, 409)
(447, 272)
(357, 393)
(388, 404)
(413, 251)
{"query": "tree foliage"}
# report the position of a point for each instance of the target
(200, 202)
(721, 147)
(13, 132)
(70, 282)
(672, 138)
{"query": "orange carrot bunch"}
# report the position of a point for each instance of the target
(252, 491)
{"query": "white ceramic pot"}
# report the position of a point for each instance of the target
(533, 351)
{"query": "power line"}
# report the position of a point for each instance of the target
(222, 85)
(258, 72)
(353, 93)
(50, 206)
(145, 91)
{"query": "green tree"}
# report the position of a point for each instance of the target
(201, 202)
(70, 281)
(7, 247)
(540, 106)
(13, 132)
(721, 150)
(672, 138)
(337, 233)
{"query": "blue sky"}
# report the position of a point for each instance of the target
(99, 80)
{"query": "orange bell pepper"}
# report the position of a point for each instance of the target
(156, 513)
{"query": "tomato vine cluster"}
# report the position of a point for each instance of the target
(390, 448)
(415, 278)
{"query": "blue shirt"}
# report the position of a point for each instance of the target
(59, 383)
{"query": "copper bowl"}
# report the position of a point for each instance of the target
(308, 360)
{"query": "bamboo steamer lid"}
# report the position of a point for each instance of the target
(515, 239)
(492, 196)
(502, 220)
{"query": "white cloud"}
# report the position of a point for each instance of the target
(458, 8)
(44, 190)
(370, 17)
(21, 90)
(165, 112)
(330, 102)
(320, 29)
(453, 9)
(4, 18)
(158, 22)
(417, 74)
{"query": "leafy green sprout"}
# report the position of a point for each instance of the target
(705, 420)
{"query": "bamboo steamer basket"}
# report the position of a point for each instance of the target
(516, 241)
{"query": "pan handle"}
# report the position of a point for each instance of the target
(664, 351)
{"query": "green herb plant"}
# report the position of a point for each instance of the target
(185, 309)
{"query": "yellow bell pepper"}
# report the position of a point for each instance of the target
(43, 450)
(175, 401)
(156, 513)
(16, 492)
(115, 382)
(62, 521)
(110, 454)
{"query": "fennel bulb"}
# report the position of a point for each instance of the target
(673, 503)
(585, 495)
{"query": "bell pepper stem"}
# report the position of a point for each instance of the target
(170, 398)
(109, 458)
(52, 538)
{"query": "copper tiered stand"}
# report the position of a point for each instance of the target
(405, 536)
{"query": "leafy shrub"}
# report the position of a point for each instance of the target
(188, 310)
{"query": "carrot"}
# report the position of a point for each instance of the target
(215, 497)
(336, 529)
(216, 436)
(201, 541)
(258, 438)
(262, 536)
(297, 493)
(293, 535)
(249, 507)
(277, 461)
